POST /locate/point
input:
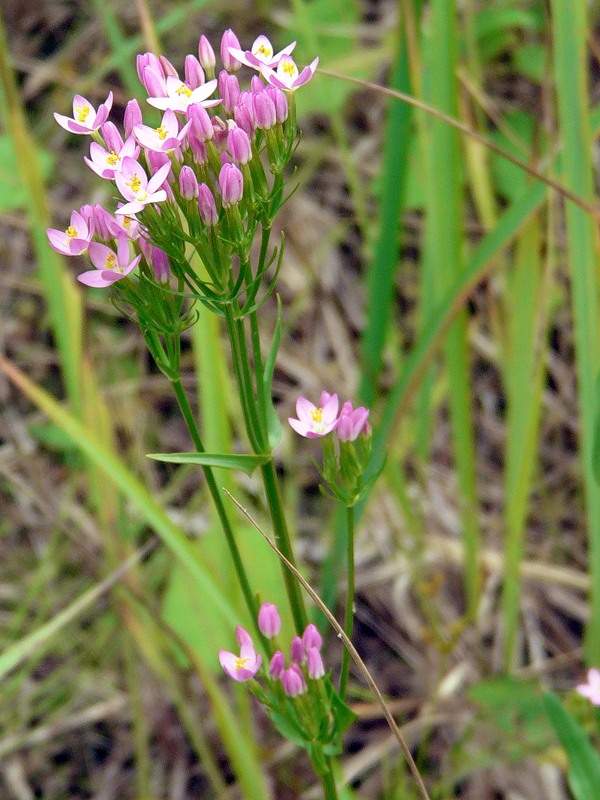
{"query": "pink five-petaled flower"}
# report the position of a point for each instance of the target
(75, 239)
(591, 689)
(110, 266)
(314, 421)
(180, 95)
(287, 76)
(105, 163)
(134, 185)
(352, 422)
(261, 54)
(85, 117)
(164, 138)
(245, 666)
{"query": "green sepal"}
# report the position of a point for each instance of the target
(242, 462)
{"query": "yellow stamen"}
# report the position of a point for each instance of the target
(135, 183)
(289, 68)
(183, 89)
(317, 414)
(82, 113)
(111, 262)
(263, 50)
(127, 222)
(162, 132)
(240, 663)
(71, 232)
(112, 159)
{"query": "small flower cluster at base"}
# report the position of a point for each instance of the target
(346, 453)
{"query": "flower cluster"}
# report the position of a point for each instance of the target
(346, 455)
(199, 181)
(305, 655)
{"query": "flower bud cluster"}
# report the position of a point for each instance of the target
(207, 175)
(345, 436)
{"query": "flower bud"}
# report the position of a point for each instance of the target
(112, 137)
(168, 68)
(231, 184)
(206, 55)
(297, 650)
(279, 101)
(293, 682)
(154, 83)
(201, 122)
(219, 132)
(314, 664)
(244, 120)
(144, 60)
(264, 111)
(194, 74)
(269, 620)
(229, 89)
(351, 422)
(239, 146)
(188, 183)
(277, 665)
(160, 265)
(132, 116)
(311, 637)
(102, 222)
(198, 149)
(256, 85)
(229, 39)
(206, 206)
(157, 160)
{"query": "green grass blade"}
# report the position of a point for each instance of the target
(119, 45)
(125, 482)
(570, 34)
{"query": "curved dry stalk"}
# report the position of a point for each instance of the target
(348, 645)
(460, 126)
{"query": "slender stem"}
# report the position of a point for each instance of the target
(349, 615)
(329, 786)
(282, 538)
(258, 365)
(188, 416)
(245, 391)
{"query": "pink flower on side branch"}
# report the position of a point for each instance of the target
(315, 421)
(110, 266)
(179, 95)
(75, 239)
(164, 138)
(352, 422)
(106, 162)
(591, 689)
(245, 666)
(287, 76)
(85, 117)
(261, 53)
(135, 187)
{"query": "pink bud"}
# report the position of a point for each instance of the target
(297, 650)
(238, 145)
(219, 132)
(154, 83)
(256, 85)
(311, 637)
(157, 160)
(314, 664)
(198, 149)
(168, 68)
(206, 55)
(102, 222)
(293, 682)
(194, 74)
(269, 620)
(229, 39)
(160, 265)
(231, 183)
(264, 111)
(144, 60)
(132, 116)
(279, 101)
(351, 422)
(201, 122)
(229, 89)
(112, 138)
(277, 665)
(188, 183)
(244, 120)
(206, 206)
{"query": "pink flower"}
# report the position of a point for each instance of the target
(261, 54)
(269, 620)
(179, 95)
(134, 185)
(311, 637)
(297, 650)
(287, 76)
(245, 666)
(314, 421)
(105, 163)
(591, 689)
(277, 665)
(85, 117)
(110, 266)
(352, 422)
(229, 40)
(164, 138)
(75, 239)
(314, 664)
(293, 681)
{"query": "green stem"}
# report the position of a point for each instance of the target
(349, 615)
(328, 778)
(188, 416)
(247, 399)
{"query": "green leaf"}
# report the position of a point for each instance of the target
(344, 716)
(273, 421)
(13, 194)
(288, 729)
(241, 462)
(584, 761)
